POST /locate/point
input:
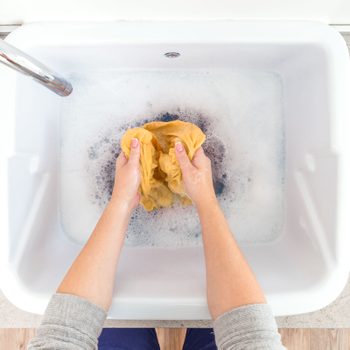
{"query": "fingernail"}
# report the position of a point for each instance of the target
(134, 143)
(179, 147)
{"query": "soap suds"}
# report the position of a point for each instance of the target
(241, 114)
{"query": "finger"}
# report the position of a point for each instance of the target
(182, 158)
(121, 161)
(199, 158)
(134, 151)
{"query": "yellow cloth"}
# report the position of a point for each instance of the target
(161, 178)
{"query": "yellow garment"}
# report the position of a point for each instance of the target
(161, 178)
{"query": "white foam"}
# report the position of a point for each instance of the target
(245, 113)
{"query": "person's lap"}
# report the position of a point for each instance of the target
(199, 339)
(146, 339)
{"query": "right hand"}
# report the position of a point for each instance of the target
(127, 176)
(196, 175)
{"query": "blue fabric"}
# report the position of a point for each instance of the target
(146, 339)
(128, 339)
(199, 339)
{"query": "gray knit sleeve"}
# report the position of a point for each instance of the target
(249, 327)
(70, 322)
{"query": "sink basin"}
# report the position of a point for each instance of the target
(273, 99)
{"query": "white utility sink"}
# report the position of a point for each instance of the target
(274, 100)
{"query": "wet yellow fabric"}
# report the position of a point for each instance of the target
(161, 178)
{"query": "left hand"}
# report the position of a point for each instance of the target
(127, 177)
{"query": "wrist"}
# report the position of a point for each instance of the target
(206, 203)
(120, 204)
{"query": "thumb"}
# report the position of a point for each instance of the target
(182, 158)
(134, 156)
(121, 161)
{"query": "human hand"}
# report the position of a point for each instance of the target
(196, 175)
(127, 177)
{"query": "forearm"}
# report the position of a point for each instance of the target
(230, 281)
(93, 272)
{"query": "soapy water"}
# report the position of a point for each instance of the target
(110, 147)
(239, 111)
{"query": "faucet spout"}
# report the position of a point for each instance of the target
(25, 64)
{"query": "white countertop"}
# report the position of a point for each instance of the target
(20, 11)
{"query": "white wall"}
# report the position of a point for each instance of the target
(19, 11)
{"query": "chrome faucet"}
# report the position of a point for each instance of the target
(23, 63)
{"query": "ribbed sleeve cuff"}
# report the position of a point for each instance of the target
(69, 318)
(247, 327)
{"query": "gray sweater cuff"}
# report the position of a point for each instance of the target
(248, 327)
(69, 321)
